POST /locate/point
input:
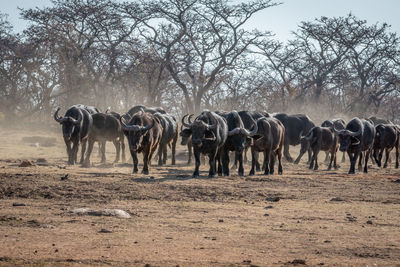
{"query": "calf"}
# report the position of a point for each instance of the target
(386, 138)
(270, 140)
(143, 132)
(320, 138)
(358, 136)
(106, 127)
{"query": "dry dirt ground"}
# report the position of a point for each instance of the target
(302, 217)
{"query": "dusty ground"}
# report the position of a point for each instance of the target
(301, 217)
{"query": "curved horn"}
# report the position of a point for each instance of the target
(309, 136)
(56, 117)
(188, 125)
(234, 131)
(108, 110)
(214, 124)
(254, 131)
(127, 127)
(190, 118)
(336, 131)
(351, 133)
(148, 127)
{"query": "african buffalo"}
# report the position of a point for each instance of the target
(143, 132)
(386, 138)
(339, 124)
(169, 136)
(358, 136)
(76, 125)
(106, 127)
(320, 138)
(296, 126)
(209, 133)
(152, 110)
(269, 139)
(236, 140)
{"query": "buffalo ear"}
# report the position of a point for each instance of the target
(186, 133)
(355, 141)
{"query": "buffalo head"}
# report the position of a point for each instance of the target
(347, 138)
(201, 131)
(68, 123)
(135, 130)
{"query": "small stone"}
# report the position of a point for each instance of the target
(16, 204)
(220, 220)
(25, 163)
(105, 231)
(56, 250)
(266, 214)
(369, 222)
(273, 199)
(269, 207)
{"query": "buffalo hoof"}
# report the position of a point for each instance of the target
(280, 172)
(296, 161)
(86, 164)
(145, 171)
(365, 170)
(134, 171)
(251, 173)
(211, 175)
(351, 172)
(271, 171)
(316, 168)
(329, 168)
(241, 174)
(385, 166)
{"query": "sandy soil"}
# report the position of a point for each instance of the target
(302, 217)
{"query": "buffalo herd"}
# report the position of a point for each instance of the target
(219, 134)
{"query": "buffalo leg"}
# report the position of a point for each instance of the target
(310, 152)
(69, 153)
(353, 160)
(267, 155)
(173, 149)
(397, 155)
(160, 151)
(103, 151)
(253, 161)
(286, 152)
(258, 167)
(343, 157)
(272, 160)
(197, 163)
(146, 160)
(83, 150)
(122, 143)
(387, 153)
(327, 159)
(165, 149)
(279, 154)
(299, 157)
(88, 153)
(234, 166)
(367, 154)
(240, 159)
(360, 161)
(135, 161)
(75, 150)
(225, 162)
(218, 162)
(315, 158)
(117, 150)
(212, 161)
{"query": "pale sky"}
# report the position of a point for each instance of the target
(280, 20)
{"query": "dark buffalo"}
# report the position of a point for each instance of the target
(296, 126)
(237, 139)
(339, 124)
(106, 127)
(358, 136)
(320, 138)
(76, 125)
(269, 139)
(151, 110)
(209, 133)
(169, 137)
(386, 138)
(143, 132)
